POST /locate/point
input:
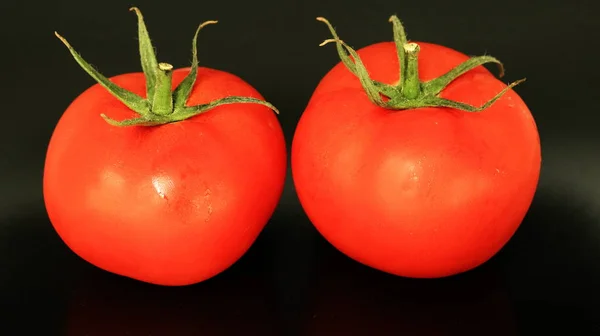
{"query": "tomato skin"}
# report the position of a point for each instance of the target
(174, 204)
(424, 193)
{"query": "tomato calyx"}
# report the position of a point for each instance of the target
(411, 92)
(161, 105)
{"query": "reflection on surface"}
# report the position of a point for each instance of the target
(351, 299)
(107, 305)
(329, 295)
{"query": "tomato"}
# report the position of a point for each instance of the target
(169, 199)
(413, 178)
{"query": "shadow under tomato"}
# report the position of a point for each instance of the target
(229, 304)
(352, 299)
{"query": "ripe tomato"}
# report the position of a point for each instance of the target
(170, 202)
(416, 183)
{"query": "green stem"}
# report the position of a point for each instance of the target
(162, 102)
(411, 85)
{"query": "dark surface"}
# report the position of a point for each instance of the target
(291, 281)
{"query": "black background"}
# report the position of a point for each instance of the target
(292, 282)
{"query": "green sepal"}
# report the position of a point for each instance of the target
(147, 54)
(357, 67)
(470, 108)
(198, 109)
(130, 99)
(184, 89)
(187, 112)
(141, 121)
(436, 85)
(400, 36)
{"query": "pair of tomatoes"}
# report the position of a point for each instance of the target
(185, 167)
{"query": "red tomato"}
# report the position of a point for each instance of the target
(418, 192)
(172, 204)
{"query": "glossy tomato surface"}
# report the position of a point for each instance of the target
(173, 204)
(427, 192)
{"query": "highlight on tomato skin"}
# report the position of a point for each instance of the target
(166, 176)
(413, 158)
